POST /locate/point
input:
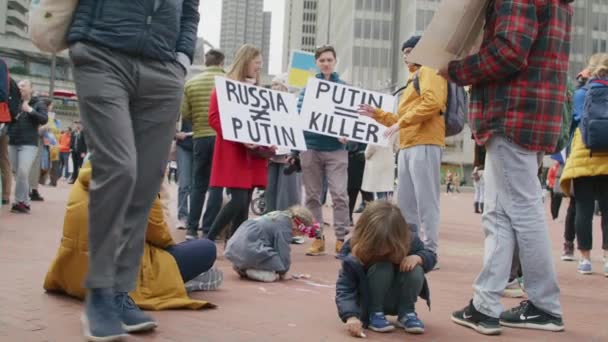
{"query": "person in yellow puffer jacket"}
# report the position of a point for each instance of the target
(165, 265)
(421, 130)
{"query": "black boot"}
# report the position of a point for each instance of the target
(35, 196)
(481, 208)
(477, 208)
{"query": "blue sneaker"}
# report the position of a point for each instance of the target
(411, 323)
(100, 321)
(133, 319)
(584, 267)
(378, 323)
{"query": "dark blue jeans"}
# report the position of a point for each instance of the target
(201, 172)
(193, 257)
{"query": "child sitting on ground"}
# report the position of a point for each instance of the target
(260, 248)
(383, 268)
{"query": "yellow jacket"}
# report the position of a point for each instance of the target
(419, 116)
(581, 163)
(159, 285)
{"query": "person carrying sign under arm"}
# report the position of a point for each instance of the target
(235, 165)
(326, 156)
(422, 136)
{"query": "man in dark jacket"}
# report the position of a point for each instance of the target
(130, 60)
(78, 148)
(23, 144)
(518, 80)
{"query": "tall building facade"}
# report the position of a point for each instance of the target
(266, 35)
(300, 28)
(589, 32)
(242, 22)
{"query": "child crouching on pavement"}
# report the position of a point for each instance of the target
(383, 268)
(260, 248)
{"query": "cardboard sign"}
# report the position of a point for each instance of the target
(302, 67)
(455, 32)
(255, 115)
(331, 109)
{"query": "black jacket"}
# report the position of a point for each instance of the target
(352, 291)
(23, 131)
(77, 143)
(155, 29)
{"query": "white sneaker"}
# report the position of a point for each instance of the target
(584, 267)
(182, 224)
(263, 276)
(513, 290)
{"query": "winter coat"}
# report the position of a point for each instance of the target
(233, 165)
(23, 131)
(419, 112)
(352, 290)
(159, 286)
(379, 174)
(154, 29)
(582, 163)
(262, 243)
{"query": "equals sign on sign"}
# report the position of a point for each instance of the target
(346, 112)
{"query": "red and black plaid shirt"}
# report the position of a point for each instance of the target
(519, 76)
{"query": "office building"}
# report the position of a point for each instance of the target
(266, 31)
(589, 32)
(242, 22)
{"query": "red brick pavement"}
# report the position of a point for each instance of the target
(287, 311)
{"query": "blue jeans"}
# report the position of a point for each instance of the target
(193, 257)
(64, 157)
(184, 176)
(22, 158)
(201, 172)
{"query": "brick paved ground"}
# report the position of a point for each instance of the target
(288, 311)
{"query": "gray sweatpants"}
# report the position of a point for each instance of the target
(334, 166)
(514, 213)
(418, 190)
(129, 107)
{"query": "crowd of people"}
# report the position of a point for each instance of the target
(133, 97)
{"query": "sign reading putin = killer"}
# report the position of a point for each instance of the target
(256, 115)
(331, 109)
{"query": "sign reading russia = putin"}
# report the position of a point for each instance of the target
(331, 109)
(256, 115)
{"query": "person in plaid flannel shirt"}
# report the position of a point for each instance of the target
(518, 80)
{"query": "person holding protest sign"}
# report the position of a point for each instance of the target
(525, 46)
(421, 130)
(236, 166)
(326, 157)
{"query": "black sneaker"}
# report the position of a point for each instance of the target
(35, 196)
(20, 208)
(528, 316)
(471, 318)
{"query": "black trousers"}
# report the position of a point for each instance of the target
(569, 226)
(236, 212)
(587, 190)
(353, 194)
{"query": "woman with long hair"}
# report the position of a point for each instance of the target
(236, 166)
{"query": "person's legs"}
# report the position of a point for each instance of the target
(184, 168)
(5, 168)
(213, 207)
(380, 280)
(272, 190)
(353, 194)
(424, 165)
(585, 204)
(409, 285)
(290, 190)
(518, 192)
(201, 173)
(312, 177)
(231, 213)
(193, 257)
(336, 165)
(34, 175)
(406, 193)
(499, 242)
(602, 199)
(22, 158)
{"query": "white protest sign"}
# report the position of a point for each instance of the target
(256, 115)
(331, 109)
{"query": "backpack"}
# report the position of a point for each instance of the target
(457, 107)
(594, 121)
(564, 133)
(49, 22)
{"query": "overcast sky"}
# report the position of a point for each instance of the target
(210, 24)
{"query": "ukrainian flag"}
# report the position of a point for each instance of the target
(302, 67)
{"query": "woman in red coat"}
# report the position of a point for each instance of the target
(234, 166)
